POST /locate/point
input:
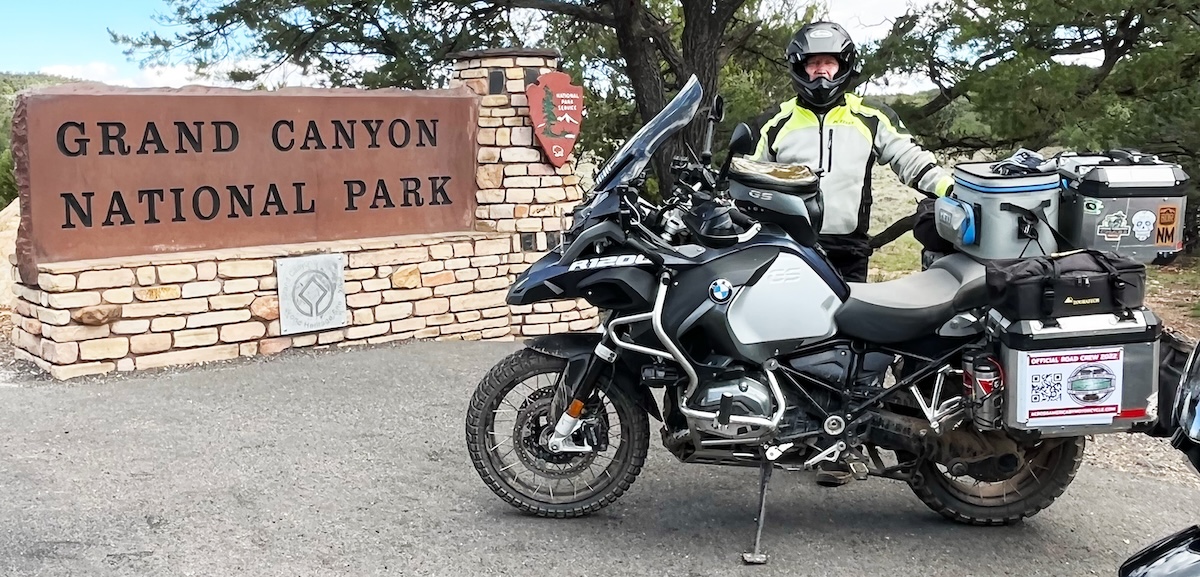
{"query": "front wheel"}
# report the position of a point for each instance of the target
(509, 422)
(1049, 468)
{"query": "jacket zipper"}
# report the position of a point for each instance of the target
(821, 143)
(830, 150)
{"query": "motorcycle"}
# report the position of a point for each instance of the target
(763, 355)
(1177, 555)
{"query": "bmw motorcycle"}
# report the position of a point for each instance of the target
(761, 354)
(1177, 555)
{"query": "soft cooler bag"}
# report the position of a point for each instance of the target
(1006, 215)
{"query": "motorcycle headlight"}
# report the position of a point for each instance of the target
(1187, 397)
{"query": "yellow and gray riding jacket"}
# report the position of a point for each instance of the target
(844, 143)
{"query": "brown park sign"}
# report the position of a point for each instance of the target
(107, 171)
(556, 109)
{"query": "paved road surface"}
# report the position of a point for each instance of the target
(352, 463)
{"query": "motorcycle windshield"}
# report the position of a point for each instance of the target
(631, 159)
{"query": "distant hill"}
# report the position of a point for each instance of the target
(10, 85)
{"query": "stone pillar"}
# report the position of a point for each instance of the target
(519, 190)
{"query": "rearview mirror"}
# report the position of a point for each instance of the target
(718, 109)
(742, 140)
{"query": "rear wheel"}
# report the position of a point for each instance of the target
(1049, 468)
(509, 422)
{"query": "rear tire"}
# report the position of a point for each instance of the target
(1043, 479)
(504, 479)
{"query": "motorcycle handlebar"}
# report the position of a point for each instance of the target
(739, 218)
(646, 248)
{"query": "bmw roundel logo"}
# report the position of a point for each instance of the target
(720, 290)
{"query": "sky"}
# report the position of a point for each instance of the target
(70, 37)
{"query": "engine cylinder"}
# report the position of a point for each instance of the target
(750, 396)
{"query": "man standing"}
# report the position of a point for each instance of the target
(841, 136)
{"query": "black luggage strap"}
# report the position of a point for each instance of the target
(893, 231)
(1048, 295)
(1030, 219)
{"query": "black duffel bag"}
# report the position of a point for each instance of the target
(1081, 282)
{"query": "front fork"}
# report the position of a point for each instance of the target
(579, 382)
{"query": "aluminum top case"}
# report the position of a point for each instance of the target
(1124, 202)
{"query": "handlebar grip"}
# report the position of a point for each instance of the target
(740, 219)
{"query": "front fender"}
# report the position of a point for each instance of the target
(579, 351)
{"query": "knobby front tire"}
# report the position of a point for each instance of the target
(517, 467)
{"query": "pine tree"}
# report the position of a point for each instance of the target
(548, 110)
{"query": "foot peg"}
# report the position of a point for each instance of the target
(860, 470)
(940, 413)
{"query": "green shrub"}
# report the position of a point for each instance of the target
(8, 180)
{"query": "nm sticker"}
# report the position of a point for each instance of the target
(1168, 218)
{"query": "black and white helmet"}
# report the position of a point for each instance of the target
(822, 38)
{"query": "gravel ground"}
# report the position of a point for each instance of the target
(1142, 456)
(352, 463)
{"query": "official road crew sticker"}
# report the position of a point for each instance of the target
(720, 290)
(1113, 227)
(1165, 234)
(1069, 387)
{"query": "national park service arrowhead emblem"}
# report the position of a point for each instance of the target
(556, 108)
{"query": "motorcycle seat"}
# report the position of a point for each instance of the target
(914, 306)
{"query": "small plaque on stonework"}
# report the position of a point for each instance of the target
(312, 293)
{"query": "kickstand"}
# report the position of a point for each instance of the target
(757, 557)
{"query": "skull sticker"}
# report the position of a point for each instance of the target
(1143, 224)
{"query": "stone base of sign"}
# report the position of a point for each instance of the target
(94, 317)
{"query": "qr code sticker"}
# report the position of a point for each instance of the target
(1046, 388)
